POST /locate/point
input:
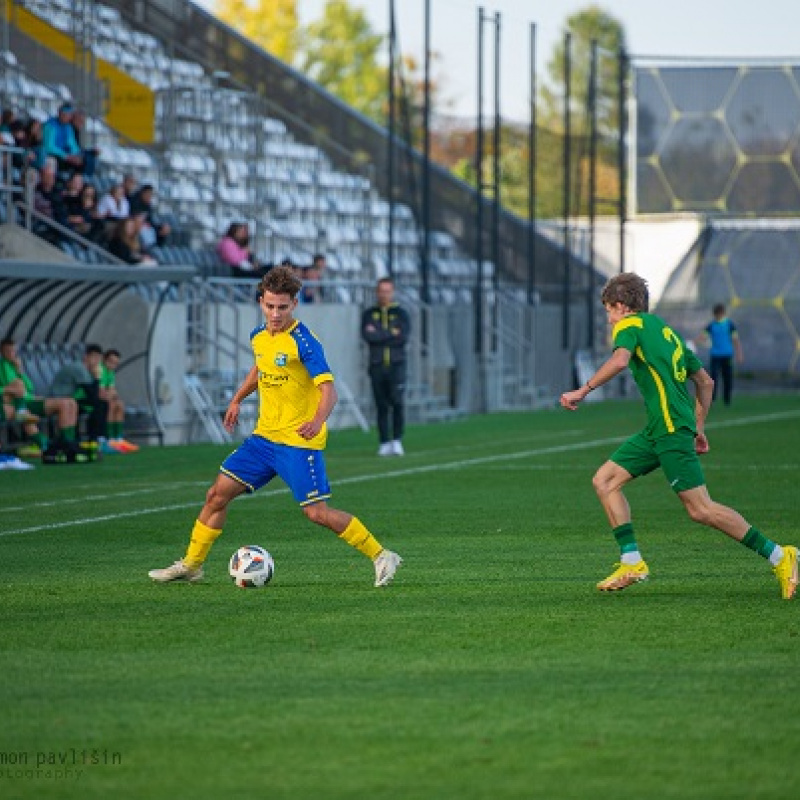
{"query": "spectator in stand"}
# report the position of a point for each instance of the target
(319, 263)
(129, 184)
(126, 246)
(18, 160)
(114, 206)
(7, 117)
(7, 121)
(19, 386)
(60, 143)
(34, 143)
(47, 197)
(298, 270)
(93, 226)
(234, 250)
(116, 408)
(47, 202)
(70, 197)
(310, 293)
(140, 224)
(89, 154)
(154, 230)
(79, 209)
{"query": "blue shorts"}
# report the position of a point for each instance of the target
(257, 461)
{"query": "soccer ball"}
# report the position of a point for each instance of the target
(251, 566)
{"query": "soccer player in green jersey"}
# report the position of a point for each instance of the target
(674, 436)
(296, 395)
(115, 420)
(17, 386)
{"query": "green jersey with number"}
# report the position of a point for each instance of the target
(661, 364)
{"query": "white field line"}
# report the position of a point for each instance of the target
(766, 467)
(167, 487)
(461, 464)
(163, 487)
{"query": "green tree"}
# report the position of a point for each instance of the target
(272, 24)
(341, 52)
(410, 102)
(591, 24)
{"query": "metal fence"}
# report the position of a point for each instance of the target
(352, 142)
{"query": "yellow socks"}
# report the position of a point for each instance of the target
(202, 539)
(356, 535)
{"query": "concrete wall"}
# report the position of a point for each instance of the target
(17, 244)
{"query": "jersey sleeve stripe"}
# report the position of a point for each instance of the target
(627, 322)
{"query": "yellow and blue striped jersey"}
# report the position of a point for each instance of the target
(660, 364)
(291, 364)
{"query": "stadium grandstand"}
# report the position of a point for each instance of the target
(226, 133)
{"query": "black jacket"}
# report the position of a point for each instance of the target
(390, 329)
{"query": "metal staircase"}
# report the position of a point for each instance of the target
(205, 410)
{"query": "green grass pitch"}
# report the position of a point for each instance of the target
(490, 668)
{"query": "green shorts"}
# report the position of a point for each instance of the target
(674, 453)
(36, 406)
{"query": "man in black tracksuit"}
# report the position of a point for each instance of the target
(386, 327)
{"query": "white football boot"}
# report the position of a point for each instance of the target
(386, 564)
(177, 572)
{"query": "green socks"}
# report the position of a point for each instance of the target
(758, 543)
(625, 538)
(629, 550)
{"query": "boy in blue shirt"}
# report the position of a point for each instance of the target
(724, 339)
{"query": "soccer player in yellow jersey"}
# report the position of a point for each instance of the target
(296, 395)
(673, 438)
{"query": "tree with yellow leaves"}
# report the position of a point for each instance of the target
(270, 23)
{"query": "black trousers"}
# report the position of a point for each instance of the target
(97, 410)
(388, 388)
(723, 366)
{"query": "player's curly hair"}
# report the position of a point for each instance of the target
(628, 289)
(280, 280)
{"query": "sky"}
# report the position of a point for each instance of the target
(684, 28)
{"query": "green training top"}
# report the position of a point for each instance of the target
(108, 378)
(9, 373)
(660, 363)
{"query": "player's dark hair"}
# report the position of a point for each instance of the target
(718, 309)
(628, 289)
(93, 348)
(7, 342)
(112, 352)
(385, 280)
(280, 280)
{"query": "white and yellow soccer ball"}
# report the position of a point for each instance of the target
(251, 566)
